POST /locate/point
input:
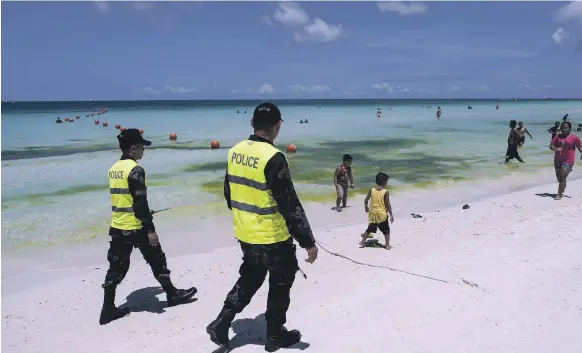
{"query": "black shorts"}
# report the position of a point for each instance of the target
(384, 227)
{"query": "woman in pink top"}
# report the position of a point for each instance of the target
(563, 145)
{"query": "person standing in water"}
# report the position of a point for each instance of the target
(512, 140)
(554, 130)
(564, 146)
(132, 227)
(341, 179)
(438, 113)
(378, 211)
(521, 131)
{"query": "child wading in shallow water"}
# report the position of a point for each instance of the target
(378, 211)
(342, 178)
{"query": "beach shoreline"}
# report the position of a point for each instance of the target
(54, 189)
(216, 224)
(506, 244)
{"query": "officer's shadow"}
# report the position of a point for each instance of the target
(146, 299)
(253, 331)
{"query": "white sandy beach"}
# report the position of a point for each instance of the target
(522, 250)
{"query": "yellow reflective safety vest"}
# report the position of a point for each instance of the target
(121, 200)
(255, 215)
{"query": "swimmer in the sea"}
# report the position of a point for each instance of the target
(521, 131)
(59, 121)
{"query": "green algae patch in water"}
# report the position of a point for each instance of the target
(215, 187)
(205, 167)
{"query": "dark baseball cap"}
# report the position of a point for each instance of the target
(267, 113)
(130, 137)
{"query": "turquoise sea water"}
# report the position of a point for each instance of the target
(54, 185)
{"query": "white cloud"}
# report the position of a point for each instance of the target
(168, 88)
(142, 5)
(403, 89)
(319, 31)
(419, 90)
(485, 88)
(102, 6)
(178, 89)
(290, 14)
(266, 88)
(313, 89)
(383, 87)
(559, 35)
(572, 10)
(150, 90)
(455, 88)
(528, 86)
(403, 8)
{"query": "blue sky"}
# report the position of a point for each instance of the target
(201, 50)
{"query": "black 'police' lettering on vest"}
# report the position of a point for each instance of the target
(247, 161)
(116, 174)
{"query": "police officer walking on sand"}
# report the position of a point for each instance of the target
(132, 227)
(267, 215)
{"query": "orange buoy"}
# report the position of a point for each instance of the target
(173, 136)
(291, 148)
(96, 122)
(117, 126)
(214, 144)
(140, 130)
(105, 123)
(121, 128)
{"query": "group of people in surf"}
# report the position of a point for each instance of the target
(563, 143)
(516, 140)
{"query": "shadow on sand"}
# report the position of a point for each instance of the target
(146, 299)
(545, 194)
(252, 331)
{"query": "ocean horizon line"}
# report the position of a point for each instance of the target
(289, 100)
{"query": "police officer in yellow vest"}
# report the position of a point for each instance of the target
(132, 227)
(267, 216)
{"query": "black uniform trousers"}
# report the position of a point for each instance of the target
(280, 261)
(120, 248)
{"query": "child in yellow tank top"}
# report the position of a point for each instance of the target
(378, 211)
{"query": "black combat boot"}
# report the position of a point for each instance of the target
(110, 312)
(281, 338)
(218, 329)
(174, 295)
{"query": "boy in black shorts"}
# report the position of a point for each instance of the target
(378, 211)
